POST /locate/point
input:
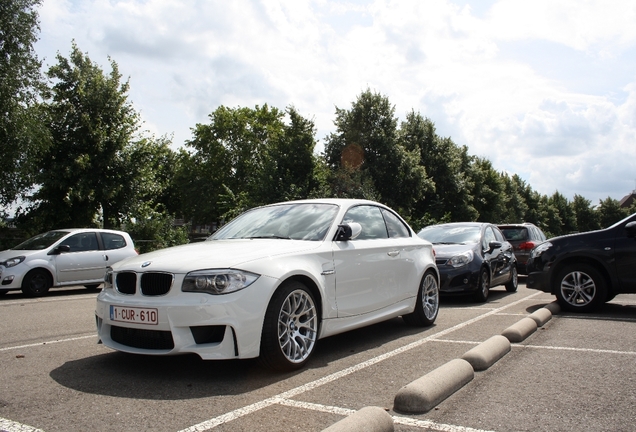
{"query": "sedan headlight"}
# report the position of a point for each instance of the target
(539, 250)
(12, 262)
(222, 281)
(461, 259)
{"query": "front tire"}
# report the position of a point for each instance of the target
(36, 283)
(483, 286)
(580, 288)
(290, 329)
(427, 304)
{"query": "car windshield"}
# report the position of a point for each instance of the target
(299, 221)
(41, 241)
(451, 234)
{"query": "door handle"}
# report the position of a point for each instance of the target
(393, 253)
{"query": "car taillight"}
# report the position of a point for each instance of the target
(526, 245)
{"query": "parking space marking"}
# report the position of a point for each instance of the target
(591, 350)
(396, 419)
(249, 409)
(92, 335)
(10, 426)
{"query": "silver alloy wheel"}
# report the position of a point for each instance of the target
(578, 288)
(297, 326)
(430, 296)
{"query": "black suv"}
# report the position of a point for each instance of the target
(523, 237)
(587, 269)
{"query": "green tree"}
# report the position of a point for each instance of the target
(87, 170)
(366, 139)
(446, 165)
(610, 212)
(515, 206)
(566, 215)
(246, 157)
(488, 191)
(586, 216)
(22, 136)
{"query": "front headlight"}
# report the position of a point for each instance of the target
(461, 259)
(223, 281)
(12, 262)
(539, 250)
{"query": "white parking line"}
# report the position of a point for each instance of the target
(47, 343)
(249, 409)
(9, 426)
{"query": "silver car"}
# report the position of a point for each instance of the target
(61, 258)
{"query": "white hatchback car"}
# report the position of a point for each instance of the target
(271, 283)
(61, 258)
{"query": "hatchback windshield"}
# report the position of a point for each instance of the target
(285, 221)
(41, 241)
(451, 234)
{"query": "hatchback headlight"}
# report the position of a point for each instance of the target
(12, 262)
(108, 278)
(222, 281)
(461, 259)
(539, 250)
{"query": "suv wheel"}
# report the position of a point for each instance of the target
(581, 288)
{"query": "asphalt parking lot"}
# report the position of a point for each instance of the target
(574, 373)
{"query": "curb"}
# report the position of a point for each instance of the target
(487, 353)
(425, 393)
(521, 330)
(367, 419)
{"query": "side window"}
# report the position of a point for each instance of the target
(113, 241)
(499, 236)
(394, 225)
(82, 242)
(370, 219)
(489, 236)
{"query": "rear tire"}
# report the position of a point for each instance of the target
(483, 286)
(427, 304)
(513, 283)
(36, 283)
(580, 288)
(290, 329)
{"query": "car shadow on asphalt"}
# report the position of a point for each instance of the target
(188, 377)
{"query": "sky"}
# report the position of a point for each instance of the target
(543, 89)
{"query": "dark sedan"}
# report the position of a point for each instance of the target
(472, 257)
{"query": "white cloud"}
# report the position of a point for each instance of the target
(545, 89)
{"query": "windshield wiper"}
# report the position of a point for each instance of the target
(268, 237)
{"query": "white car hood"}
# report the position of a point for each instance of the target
(213, 254)
(10, 253)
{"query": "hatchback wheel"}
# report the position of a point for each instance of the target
(513, 283)
(483, 287)
(581, 288)
(36, 283)
(427, 304)
(290, 329)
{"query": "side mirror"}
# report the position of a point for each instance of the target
(348, 231)
(62, 248)
(630, 228)
(494, 245)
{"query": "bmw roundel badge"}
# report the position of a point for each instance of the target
(146, 264)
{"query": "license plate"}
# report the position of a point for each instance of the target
(134, 315)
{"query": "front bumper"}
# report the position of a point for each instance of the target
(214, 327)
(457, 281)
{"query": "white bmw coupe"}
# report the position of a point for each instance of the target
(271, 283)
